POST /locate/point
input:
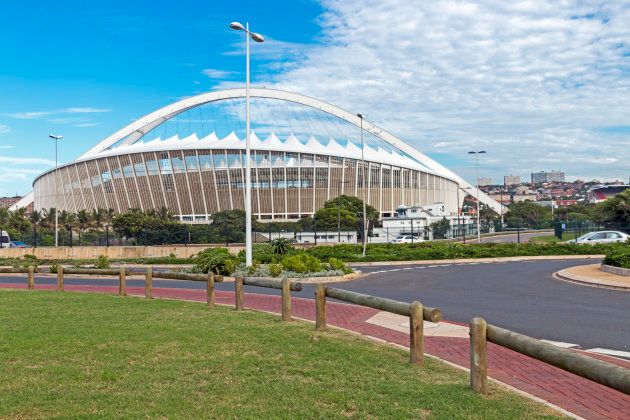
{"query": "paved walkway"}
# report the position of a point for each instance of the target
(592, 275)
(577, 395)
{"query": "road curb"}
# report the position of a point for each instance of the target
(476, 260)
(565, 275)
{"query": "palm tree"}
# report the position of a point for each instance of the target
(67, 220)
(84, 219)
(35, 218)
(19, 221)
(4, 216)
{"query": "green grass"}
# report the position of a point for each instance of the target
(566, 236)
(83, 355)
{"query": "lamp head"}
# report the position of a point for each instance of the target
(257, 37)
(56, 137)
(360, 116)
(237, 26)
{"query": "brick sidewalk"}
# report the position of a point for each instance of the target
(575, 394)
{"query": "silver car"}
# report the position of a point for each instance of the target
(602, 237)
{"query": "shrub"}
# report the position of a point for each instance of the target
(260, 252)
(215, 260)
(302, 263)
(337, 264)
(54, 268)
(620, 258)
(255, 264)
(281, 246)
(102, 262)
(275, 269)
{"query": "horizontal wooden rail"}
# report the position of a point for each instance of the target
(184, 276)
(604, 373)
(271, 283)
(13, 269)
(400, 308)
(96, 271)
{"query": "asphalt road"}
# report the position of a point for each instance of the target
(521, 296)
(524, 237)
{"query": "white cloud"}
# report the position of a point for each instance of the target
(34, 115)
(6, 146)
(216, 74)
(532, 82)
(12, 160)
(4, 128)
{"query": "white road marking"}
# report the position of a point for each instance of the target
(561, 344)
(618, 353)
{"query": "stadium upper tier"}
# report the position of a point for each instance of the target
(190, 157)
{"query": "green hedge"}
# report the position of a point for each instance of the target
(620, 258)
(446, 250)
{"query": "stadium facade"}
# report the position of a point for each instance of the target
(190, 157)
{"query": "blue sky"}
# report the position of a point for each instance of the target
(539, 86)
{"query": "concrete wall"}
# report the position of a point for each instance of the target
(91, 252)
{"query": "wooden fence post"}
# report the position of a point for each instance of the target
(478, 356)
(286, 300)
(416, 334)
(320, 307)
(60, 278)
(238, 293)
(122, 281)
(31, 278)
(148, 284)
(210, 297)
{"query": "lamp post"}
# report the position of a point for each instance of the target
(248, 166)
(56, 138)
(477, 153)
(364, 187)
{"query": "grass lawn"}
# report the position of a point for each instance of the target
(85, 355)
(566, 236)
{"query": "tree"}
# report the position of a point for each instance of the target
(19, 221)
(130, 224)
(440, 228)
(355, 206)
(527, 212)
(84, 219)
(487, 217)
(615, 209)
(327, 218)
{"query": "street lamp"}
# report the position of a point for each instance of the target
(364, 187)
(248, 167)
(478, 213)
(56, 138)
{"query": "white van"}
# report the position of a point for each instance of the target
(5, 241)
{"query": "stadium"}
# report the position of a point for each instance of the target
(190, 158)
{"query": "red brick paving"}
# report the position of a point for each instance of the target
(577, 395)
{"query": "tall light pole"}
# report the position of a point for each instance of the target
(365, 226)
(477, 153)
(56, 138)
(248, 166)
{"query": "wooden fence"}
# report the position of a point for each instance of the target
(604, 373)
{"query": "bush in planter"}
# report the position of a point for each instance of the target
(215, 260)
(281, 246)
(337, 264)
(618, 259)
(102, 262)
(302, 263)
(275, 269)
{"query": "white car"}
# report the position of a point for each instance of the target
(602, 237)
(406, 239)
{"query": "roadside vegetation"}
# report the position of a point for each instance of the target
(181, 360)
(618, 258)
(276, 259)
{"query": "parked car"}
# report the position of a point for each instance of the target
(18, 244)
(602, 237)
(5, 241)
(406, 239)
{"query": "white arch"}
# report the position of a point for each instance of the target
(138, 128)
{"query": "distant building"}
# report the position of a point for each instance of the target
(542, 176)
(517, 198)
(6, 202)
(511, 180)
(484, 182)
(501, 198)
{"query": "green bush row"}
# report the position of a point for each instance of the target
(449, 250)
(619, 258)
